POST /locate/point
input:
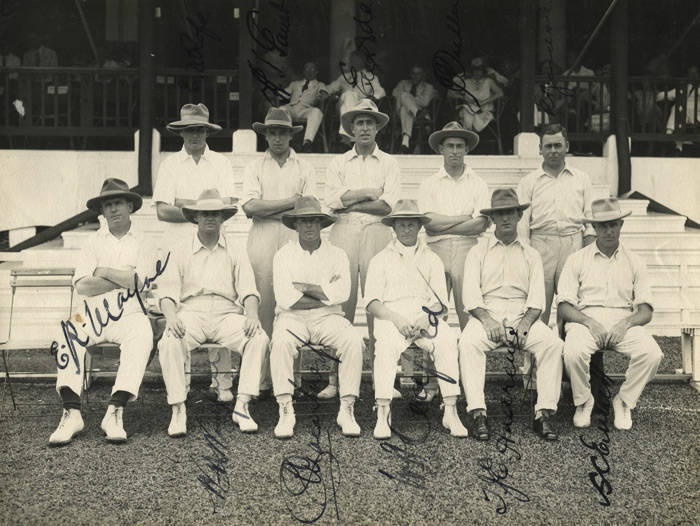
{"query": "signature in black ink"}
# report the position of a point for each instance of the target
(548, 103)
(70, 332)
(447, 63)
(363, 42)
(598, 477)
(275, 42)
(433, 316)
(214, 476)
(302, 475)
(193, 41)
(497, 472)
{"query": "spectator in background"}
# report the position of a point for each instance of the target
(354, 84)
(412, 96)
(40, 55)
(687, 108)
(600, 101)
(474, 95)
(305, 97)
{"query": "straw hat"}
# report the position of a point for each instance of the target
(306, 206)
(504, 199)
(113, 187)
(276, 118)
(405, 209)
(453, 129)
(209, 201)
(364, 107)
(606, 209)
(193, 115)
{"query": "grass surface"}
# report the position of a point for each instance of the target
(154, 479)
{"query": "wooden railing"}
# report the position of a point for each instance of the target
(659, 109)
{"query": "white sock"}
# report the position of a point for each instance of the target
(404, 141)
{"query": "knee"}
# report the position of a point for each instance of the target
(315, 112)
(260, 341)
(283, 344)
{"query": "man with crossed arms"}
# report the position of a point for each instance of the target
(605, 299)
(504, 293)
(104, 272)
(402, 280)
(208, 294)
(362, 185)
(312, 280)
(182, 177)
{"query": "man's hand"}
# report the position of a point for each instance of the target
(403, 325)
(174, 324)
(494, 330)
(522, 331)
(421, 323)
(251, 325)
(616, 334)
(599, 334)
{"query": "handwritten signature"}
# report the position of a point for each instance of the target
(547, 103)
(598, 477)
(363, 42)
(214, 476)
(193, 41)
(70, 332)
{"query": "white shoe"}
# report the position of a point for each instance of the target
(623, 414)
(178, 422)
(346, 420)
(451, 421)
(70, 425)
(241, 416)
(224, 395)
(396, 394)
(112, 424)
(287, 421)
(383, 430)
(330, 391)
(582, 416)
(426, 395)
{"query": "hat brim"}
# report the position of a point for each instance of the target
(95, 204)
(347, 118)
(289, 220)
(621, 215)
(489, 211)
(436, 138)
(262, 128)
(227, 212)
(177, 126)
(389, 220)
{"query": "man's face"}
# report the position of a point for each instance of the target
(116, 211)
(553, 148)
(416, 75)
(608, 233)
(364, 128)
(194, 138)
(309, 229)
(310, 71)
(407, 231)
(453, 150)
(506, 221)
(209, 222)
(278, 140)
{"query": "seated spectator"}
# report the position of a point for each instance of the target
(412, 96)
(354, 84)
(474, 95)
(9, 60)
(40, 55)
(305, 97)
(600, 102)
(687, 108)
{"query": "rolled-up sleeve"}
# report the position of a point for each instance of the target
(567, 288)
(376, 282)
(335, 184)
(338, 290)
(640, 286)
(471, 288)
(535, 293)
(286, 294)
(392, 181)
(87, 262)
(252, 187)
(244, 279)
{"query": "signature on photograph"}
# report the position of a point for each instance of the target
(364, 42)
(213, 475)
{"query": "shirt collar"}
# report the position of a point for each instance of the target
(197, 245)
(292, 156)
(466, 174)
(395, 246)
(352, 153)
(103, 231)
(493, 241)
(185, 156)
(597, 250)
(565, 170)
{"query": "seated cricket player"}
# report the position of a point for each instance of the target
(311, 280)
(403, 280)
(104, 273)
(604, 300)
(504, 294)
(208, 294)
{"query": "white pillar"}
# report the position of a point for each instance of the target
(610, 156)
(526, 144)
(244, 141)
(155, 154)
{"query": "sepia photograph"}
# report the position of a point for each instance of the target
(349, 262)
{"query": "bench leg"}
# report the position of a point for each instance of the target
(8, 382)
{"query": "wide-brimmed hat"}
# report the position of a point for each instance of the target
(606, 209)
(504, 199)
(193, 115)
(453, 129)
(111, 188)
(364, 107)
(277, 118)
(405, 209)
(209, 201)
(306, 206)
